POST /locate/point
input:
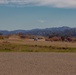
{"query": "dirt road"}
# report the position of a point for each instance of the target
(37, 64)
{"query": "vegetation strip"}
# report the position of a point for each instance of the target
(33, 48)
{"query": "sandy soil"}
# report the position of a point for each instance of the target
(37, 64)
(47, 43)
(41, 43)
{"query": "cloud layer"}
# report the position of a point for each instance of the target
(52, 3)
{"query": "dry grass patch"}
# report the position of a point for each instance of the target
(8, 47)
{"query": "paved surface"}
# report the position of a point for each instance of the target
(37, 64)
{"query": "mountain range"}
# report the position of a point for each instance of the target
(44, 32)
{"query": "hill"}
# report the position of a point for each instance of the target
(62, 31)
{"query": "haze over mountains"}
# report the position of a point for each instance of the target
(62, 31)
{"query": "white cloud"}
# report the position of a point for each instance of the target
(41, 21)
(53, 3)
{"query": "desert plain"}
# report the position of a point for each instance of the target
(35, 62)
(18, 63)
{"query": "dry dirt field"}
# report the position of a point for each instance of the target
(45, 43)
(41, 43)
(37, 64)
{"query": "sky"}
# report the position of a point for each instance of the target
(31, 14)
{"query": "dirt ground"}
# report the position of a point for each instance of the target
(41, 43)
(37, 64)
(46, 43)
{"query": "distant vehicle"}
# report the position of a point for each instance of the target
(35, 39)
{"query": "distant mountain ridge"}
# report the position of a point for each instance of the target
(44, 32)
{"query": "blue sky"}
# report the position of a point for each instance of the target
(29, 14)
